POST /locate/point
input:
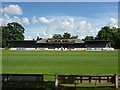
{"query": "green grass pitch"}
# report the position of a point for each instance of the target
(60, 62)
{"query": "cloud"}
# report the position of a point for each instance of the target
(65, 26)
(17, 19)
(34, 20)
(7, 19)
(112, 22)
(28, 38)
(12, 10)
(25, 21)
(1, 20)
(81, 37)
(41, 20)
(43, 34)
(84, 27)
(70, 19)
(41, 31)
(75, 25)
(116, 26)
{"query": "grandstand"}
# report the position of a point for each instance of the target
(64, 43)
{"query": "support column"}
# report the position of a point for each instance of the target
(116, 80)
(56, 80)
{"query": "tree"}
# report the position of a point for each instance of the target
(66, 35)
(38, 38)
(107, 33)
(74, 37)
(104, 33)
(89, 38)
(15, 25)
(57, 36)
(13, 31)
(116, 37)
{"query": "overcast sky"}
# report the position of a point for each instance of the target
(47, 18)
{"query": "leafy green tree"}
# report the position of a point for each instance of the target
(107, 33)
(116, 37)
(13, 31)
(104, 33)
(89, 38)
(74, 37)
(57, 36)
(15, 25)
(5, 36)
(66, 35)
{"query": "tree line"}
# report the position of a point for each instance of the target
(15, 31)
(66, 35)
(12, 31)
(107, 33)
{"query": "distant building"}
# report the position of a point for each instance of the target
(64, 43)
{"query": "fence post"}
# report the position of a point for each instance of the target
(56, 80)
(116, 80)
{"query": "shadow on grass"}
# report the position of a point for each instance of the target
(47, 85)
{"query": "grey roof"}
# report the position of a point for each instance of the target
(42, 41)
(79, 41)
